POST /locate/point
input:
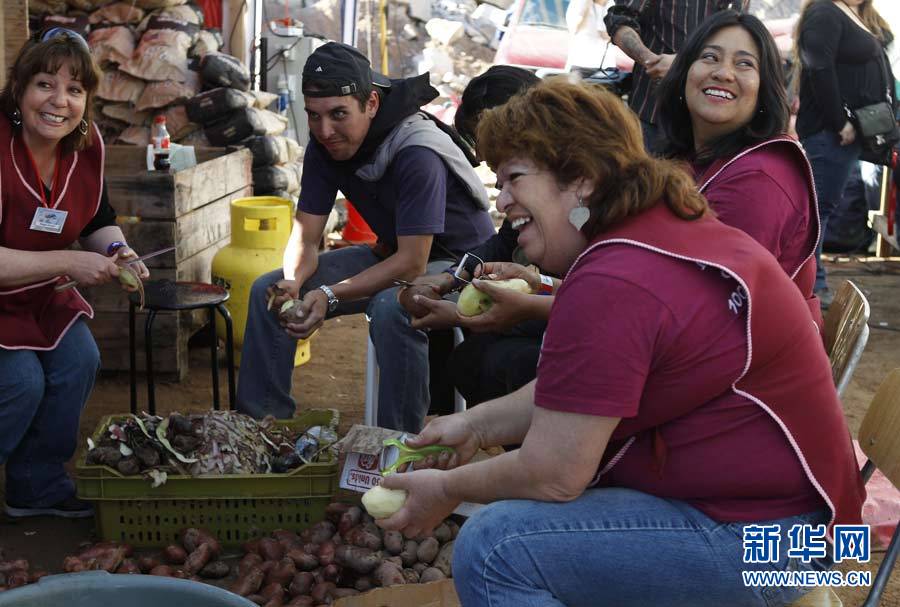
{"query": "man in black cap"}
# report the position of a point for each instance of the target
(417, 190)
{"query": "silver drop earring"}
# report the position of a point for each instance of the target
(16, 117)
(579, 215)
(83, 127)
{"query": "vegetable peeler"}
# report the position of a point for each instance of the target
(397, 453)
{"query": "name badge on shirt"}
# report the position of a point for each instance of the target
(49, 220)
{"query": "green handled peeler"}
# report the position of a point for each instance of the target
(396, 453)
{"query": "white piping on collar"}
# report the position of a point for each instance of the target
(810, 182)
(37, 197)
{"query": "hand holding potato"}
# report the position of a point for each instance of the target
(427, 503)
(505, 270)
(282, 291)
(509, 307)
(126, 254)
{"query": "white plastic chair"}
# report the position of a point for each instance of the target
(371, 415)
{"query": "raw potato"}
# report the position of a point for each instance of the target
(291, 311)
(270, 549)
(198, 559)
(250, 583)
(473, 302)
(442, 533)
(381, 502)
(214, 570)
(432, 574)
(389, 574)
(444, 559)
(128, 566)
(428, 550)
(302, 583)
(194, 537)
(175, 555)
(302, 559)
(408, 556)
(249, 561)
(393, 542)
(360, 560)
(349, 519)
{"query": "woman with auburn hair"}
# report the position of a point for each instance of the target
(723, 108)
(840, 51)
(51, 195)
(665, 417)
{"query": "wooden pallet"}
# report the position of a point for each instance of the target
(189, 209)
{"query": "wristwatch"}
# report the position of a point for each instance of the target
(332, 300)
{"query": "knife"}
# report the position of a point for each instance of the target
(72, 283)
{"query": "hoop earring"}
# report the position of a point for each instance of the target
(83, 127)
(16, 118)
(579, 215)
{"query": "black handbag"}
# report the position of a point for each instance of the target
(877, 127)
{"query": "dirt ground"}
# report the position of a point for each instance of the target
(335, 378)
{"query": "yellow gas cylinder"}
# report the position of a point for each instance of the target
(260, 228)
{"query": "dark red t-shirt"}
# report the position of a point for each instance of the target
(658, 342)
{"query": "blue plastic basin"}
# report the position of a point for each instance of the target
(97, 588)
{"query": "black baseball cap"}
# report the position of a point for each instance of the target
(338, 70)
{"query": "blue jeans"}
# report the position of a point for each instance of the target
(615, 547)
(42, 395)
(267, 356)
(831, 165)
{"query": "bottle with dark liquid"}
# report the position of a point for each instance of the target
(161, 143)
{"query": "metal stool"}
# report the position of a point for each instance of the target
(176, 296)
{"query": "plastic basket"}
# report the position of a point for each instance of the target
(235, 507)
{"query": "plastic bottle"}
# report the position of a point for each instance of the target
(284, 96)
(161, 143)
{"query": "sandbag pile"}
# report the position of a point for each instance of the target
(154, 56)
(277, 166)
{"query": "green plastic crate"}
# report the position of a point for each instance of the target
(235, 507)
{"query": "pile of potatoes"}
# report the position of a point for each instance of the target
(17, 572)
(194, 558)
(345, 554)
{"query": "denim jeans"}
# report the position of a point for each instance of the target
(612, 547)
(267, 356)
(831, 165)
(42, 394)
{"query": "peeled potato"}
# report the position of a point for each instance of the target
(473, 302)
(381, 502)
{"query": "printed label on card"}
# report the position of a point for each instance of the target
(48, 220)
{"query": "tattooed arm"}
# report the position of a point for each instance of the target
(631, 44)
(623, 25)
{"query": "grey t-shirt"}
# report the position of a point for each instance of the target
(416, 196)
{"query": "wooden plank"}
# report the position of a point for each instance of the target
(14, 26)
(212, 180)
(191, 233)
(136, 192)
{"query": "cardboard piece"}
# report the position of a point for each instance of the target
(432, 594)
(361, 448)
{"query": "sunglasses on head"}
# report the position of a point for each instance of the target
(62, 32)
